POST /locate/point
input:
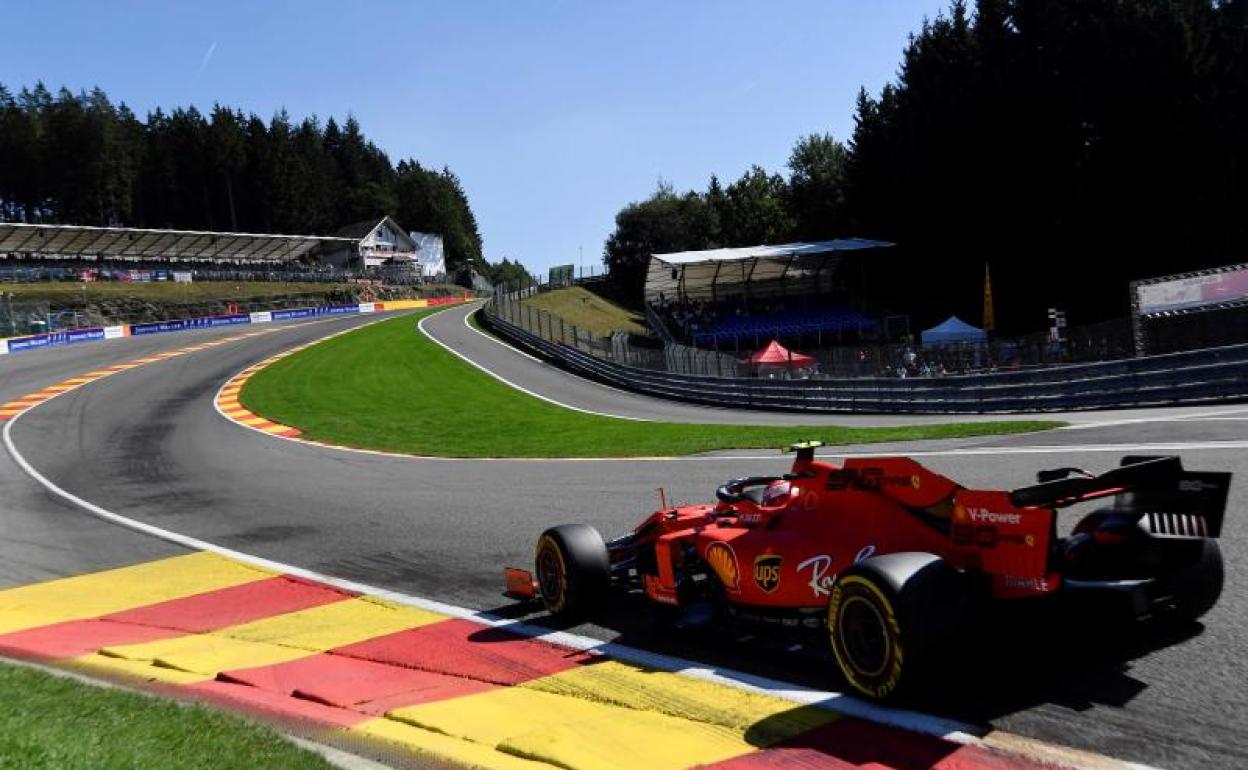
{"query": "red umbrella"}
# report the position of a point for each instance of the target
(779, 355)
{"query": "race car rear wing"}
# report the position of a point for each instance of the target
(1140, 485)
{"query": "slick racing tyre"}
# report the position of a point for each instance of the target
(887, 615)
(572, 569)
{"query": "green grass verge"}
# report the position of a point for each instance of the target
(60, 724)
(388, 387)
(583, 308)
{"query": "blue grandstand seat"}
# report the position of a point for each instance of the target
(789, 323)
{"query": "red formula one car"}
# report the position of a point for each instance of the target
(889, 556)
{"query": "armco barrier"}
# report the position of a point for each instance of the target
(1201, 376)
(72, 336)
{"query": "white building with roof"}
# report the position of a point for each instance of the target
(381, 245)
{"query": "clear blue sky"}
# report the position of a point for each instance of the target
(553, 114)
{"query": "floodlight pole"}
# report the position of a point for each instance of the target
(1137, 323)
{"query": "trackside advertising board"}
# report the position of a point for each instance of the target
(1193, 291)
(96, 334)
(183, 324)
(313, 312)
(54, 338)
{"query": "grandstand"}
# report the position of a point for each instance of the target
(743, 297)
(73, 252)
(834, 322)
(132, 244)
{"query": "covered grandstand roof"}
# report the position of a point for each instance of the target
(700, 273)
(134, 243)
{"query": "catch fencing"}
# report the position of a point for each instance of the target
(1200, 376)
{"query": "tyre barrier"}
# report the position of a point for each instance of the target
(1207, 376)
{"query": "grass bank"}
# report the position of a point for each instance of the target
(579, 306)
(59, 724)
(162, 291)
(389, 387)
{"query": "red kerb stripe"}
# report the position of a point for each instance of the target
(465, 649)
(188, 615)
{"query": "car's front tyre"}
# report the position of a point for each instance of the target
(572, 569)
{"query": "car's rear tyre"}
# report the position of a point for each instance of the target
(887, 615)
(572, 569)
(1197, 588)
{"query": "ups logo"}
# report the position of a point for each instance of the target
(767, 572)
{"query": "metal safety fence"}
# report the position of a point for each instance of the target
(1202, 376)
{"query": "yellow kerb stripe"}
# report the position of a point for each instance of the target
(276, 639)
(613, 715)
(101, 593)
(641, 689)
(569, 732)
(443, 747)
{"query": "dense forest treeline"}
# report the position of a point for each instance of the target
(80, 159)
(1073, 145)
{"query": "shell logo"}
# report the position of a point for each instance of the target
(722, 559)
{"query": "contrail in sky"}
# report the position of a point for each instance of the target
(207, 58)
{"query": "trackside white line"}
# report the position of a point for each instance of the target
(497, 341)
(843, 704)
(926, 724)
(829, 452)
(1111, 423)
(1177, 446)
(421, 325)
(547, 364)
(1018, 415)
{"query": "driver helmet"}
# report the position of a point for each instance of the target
(776, 493)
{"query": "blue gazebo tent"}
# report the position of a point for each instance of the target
(952, 331)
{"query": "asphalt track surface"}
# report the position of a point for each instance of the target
(148, 444)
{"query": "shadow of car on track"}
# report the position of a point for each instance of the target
(1009, 660)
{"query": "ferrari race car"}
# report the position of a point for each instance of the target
(889, 557)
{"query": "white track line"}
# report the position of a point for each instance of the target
(564, 372)
(1175, 446)
(829, 452)
(927, 724)
(421, 325)
(1111, 423)
(839, 702)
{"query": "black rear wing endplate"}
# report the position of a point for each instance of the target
(1141, 485)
